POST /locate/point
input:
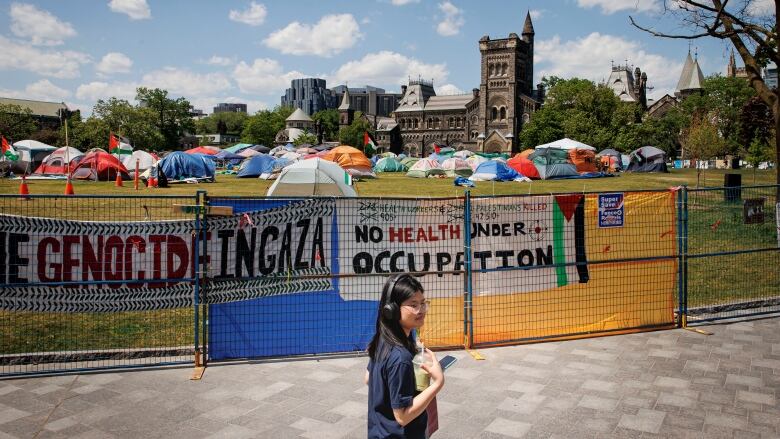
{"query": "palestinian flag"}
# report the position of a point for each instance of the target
(369, 145)
(119, 145)
(8, 151)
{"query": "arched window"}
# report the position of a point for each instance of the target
(494, 113)
(451, 123)
(503, 69)
(490, 70)
(415, 123)
(430, 123)
(503, 113)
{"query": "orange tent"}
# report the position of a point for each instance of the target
(348, 157)
(525, 153)
(201, 150)
(584, 160)
(523, 165)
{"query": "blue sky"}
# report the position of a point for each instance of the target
(248, 51)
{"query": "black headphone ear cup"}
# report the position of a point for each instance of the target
(390, 311)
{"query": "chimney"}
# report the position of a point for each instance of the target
(403, 89)
(475, 92)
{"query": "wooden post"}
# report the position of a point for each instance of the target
(135, 180)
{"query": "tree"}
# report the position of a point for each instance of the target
(330, 123)
(702, 141)
(759, 151)
(233, 120)
(752, 32)
(262, 126)
(171, 116)
(353, 134)
(304, 138)
(755, 122)
(16, 122)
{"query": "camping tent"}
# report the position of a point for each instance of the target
(455, 166)
(351, 159)
(409, 161)
(238, 147)
(611, 159)
(523, 166)
(312, 177)
(249, 152)
(56, 162)
(99, 165)
(567, 144)
(389, 164)
(463, 154)
(553, 163)
(179, 166)
(202, 150)
(494, 170)
(583, 159)
(425, 168)
(256, 166)
(228, 157)
(31, 154)
(145, 160)
(475, 160)
(647, 159)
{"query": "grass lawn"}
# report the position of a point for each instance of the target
(714, 226)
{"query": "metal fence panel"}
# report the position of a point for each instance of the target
(733, 256)
(76, 290)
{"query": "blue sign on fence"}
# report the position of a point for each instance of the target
(611, 210)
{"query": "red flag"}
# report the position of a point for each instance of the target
(113, 142)
(436, 148)
(5, 146)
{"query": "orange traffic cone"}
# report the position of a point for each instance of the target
(69, 188)
(24, 191)
(118, 181)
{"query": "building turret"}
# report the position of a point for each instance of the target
(346, 113)
(528, 29)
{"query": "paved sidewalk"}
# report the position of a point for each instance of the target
(661, 384)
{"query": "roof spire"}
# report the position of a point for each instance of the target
(345, 100)
(528, 27)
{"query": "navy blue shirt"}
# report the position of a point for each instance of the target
(391, 385)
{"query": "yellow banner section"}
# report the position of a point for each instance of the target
(618, 295)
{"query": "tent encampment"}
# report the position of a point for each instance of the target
(647, 159)
(256, 166)
(181, 166)
(389, 164)
(99, 165)
(494, 170)
(553, 163)
(456, 166)
(312, 177)
(426, 168)
(56, 163)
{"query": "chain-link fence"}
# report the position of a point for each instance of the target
(93, 282)
(732, 253)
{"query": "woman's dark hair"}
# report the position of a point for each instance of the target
(397, 290)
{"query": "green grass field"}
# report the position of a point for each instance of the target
(714, 226)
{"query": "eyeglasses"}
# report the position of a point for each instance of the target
(420, 307)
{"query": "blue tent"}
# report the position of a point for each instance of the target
(179, 165)
(494, 170)
(228, 157)
(254, 166)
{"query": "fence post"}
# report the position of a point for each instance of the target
(685, 256)
(678, 216)
(205, 278)
(196, 275)
(468, 323)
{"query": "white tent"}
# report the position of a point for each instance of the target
(31, 154)
(145, 160)
(313, 177)
(566, 143)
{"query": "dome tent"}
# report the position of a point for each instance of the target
(99, 165)
(389, 164)
(425, 168)
(56, 162)
(312, 177)
(611, 158)
(352, 160)
(256, 166)
(180, 166)
(31, 154)
(553, 163)
(522, 165)
(145, 160)
(566, 144)
(455, 166)
(494, 170)
(409, 161)
(647, 159)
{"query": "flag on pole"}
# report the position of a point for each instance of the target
(118, 145)
(369, 145)
(436, 148)
(8, 151)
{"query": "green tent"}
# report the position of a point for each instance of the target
(409, 161)
(389, 164)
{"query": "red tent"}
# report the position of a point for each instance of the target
(99, 165)
(523, 166)
(201, 150)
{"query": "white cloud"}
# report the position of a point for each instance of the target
(41, 27)
(264, 76)
(102, 90)
(611, 6)
(217, 60)
(64, 64)
(331, 35)
(42, 90)
(254, 16)
(185, 82)
(365, 20)
(135, 9)
(388, 69)
(536, 14)
(114, 62)
(453, 19)
(403, 2)
(761, 8)
(590, 58)
(448, 89)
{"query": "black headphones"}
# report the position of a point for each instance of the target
(391, 311)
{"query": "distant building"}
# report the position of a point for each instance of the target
(197, 114)
(769, 74)
(310, 95)
(230, 107)
(691, 79)
(732, 71)
(627, 86)
(296, 124)
(46, 114)
(217, 139)
(368, 100)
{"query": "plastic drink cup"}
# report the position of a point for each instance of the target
(421, 378)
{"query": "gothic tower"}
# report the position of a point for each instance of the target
(346, 112)
(505, 89)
